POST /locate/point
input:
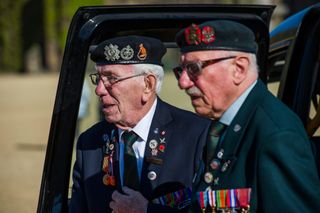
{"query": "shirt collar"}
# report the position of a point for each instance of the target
(231, 112)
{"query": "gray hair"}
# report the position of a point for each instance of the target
(252, 58)
(156, 70)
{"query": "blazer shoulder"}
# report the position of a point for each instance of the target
(185, 114)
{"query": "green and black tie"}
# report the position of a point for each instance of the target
(130, 173)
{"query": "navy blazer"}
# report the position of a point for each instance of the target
(184, 133)
(266, 149)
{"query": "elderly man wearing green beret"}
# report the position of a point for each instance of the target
(257, 157)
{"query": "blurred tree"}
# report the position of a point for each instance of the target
(10, 30)
(33, 33)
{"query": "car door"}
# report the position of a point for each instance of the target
(294, 58)
(91, 25)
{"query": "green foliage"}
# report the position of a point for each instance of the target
(10, 31)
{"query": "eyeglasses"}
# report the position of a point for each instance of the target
(108, 79)
(194, 68)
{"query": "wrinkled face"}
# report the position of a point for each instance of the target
(122, 100)
(212, 90)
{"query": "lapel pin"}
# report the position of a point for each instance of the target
(154, 152)
(152, 175)
(216, 181)
(225, 166)
(208, 177)
(105, 137)
(153, 144)
(162, 140)
(220, 153)
(236, 128)
(214, 164)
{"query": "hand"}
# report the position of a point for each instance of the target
(131, 201)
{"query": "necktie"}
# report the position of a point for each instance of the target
(130, 173)
(215, 132)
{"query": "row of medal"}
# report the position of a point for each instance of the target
(227, 200)
(178, 199)
(108, 178)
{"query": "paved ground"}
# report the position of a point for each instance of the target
(25, 113)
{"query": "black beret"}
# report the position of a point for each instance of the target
(129, 50)
(217, 35)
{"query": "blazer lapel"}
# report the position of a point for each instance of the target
(155, 151)
(238, 127)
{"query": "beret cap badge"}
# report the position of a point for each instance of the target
(217, 35)
(127, 52)
(195, 35)
(142, 54)
(112, 52)
(208, 34)
(131, 49)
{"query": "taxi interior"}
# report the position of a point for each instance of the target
(91, 25)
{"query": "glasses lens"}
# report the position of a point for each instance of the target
(193, 69)
(177, 72)
(94, 78)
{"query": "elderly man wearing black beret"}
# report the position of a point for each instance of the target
(145, 150)
(257, 156)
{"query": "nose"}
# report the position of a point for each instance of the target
(184, 81)
(100, 89)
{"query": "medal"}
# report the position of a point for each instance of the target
(105, 179)
(202, 199)
(212, 199)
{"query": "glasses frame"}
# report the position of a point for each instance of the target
(111, 80)
(200, 65)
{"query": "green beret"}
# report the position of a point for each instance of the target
(217, 35)
(129, 50)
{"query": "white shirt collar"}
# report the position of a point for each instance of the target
(231, 112)
(143, 126)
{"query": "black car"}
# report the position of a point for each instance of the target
(293, 63)
(90, 26)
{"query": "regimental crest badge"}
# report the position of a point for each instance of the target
(142, 54)
(208, 35)
(193, 34)
(112, 52)
(126, 53)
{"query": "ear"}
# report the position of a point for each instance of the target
(241, 69)
(149, 87)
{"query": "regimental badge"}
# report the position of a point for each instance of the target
(126, 53)
(142, 54)
(193, 34)
(208, 35)
(112, 52)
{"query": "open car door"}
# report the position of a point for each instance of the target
(92, 25)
